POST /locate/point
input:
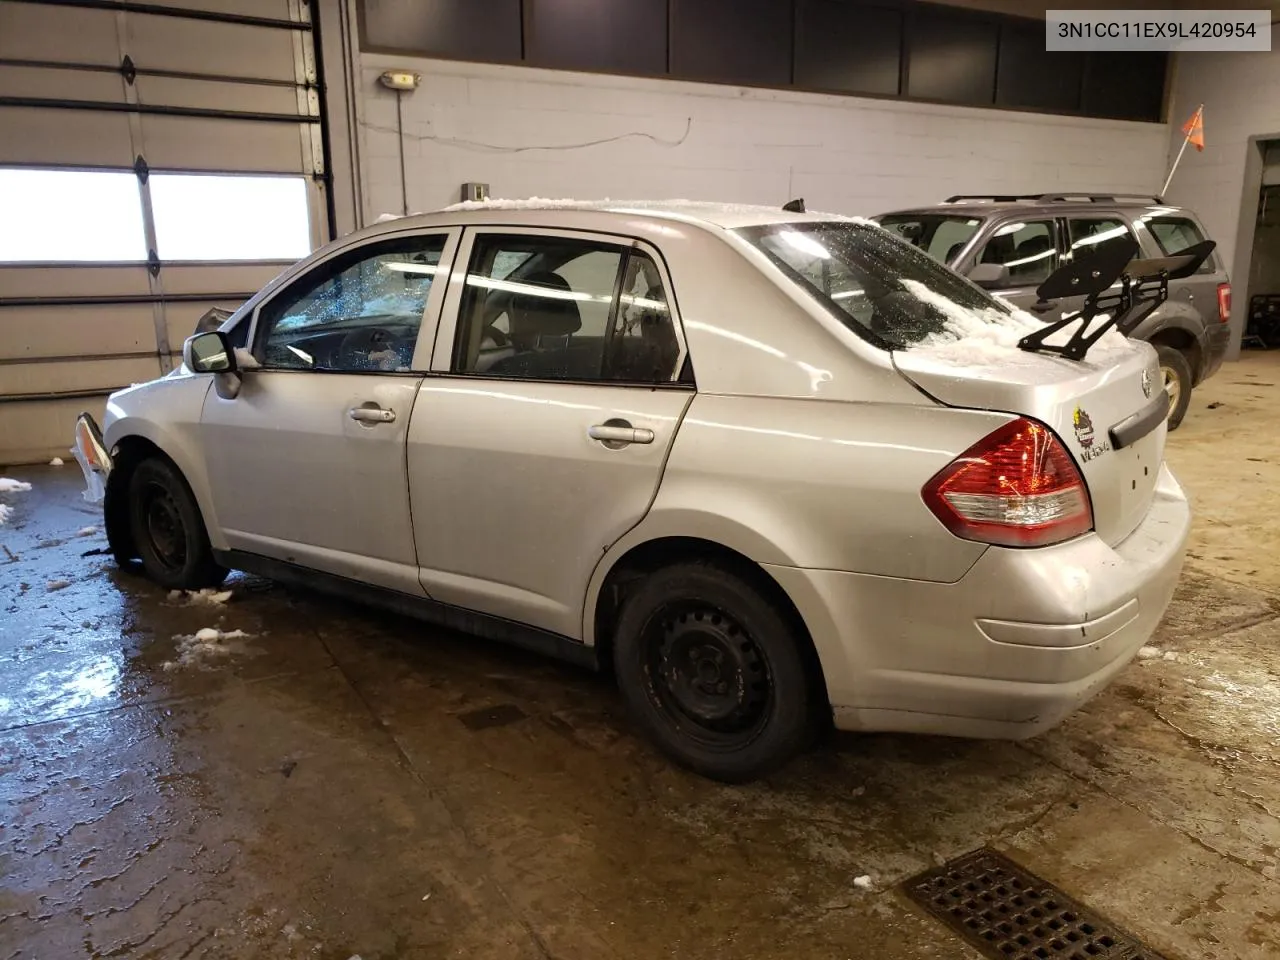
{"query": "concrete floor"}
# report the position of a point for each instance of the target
(342, 783)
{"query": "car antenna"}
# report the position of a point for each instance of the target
(794, 206)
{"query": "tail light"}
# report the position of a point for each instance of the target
(1224, 302)
(1017, 487)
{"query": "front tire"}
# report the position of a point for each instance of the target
(1175, 373)
(714, 672)
(168, 531)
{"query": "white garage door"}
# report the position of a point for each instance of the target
(156, 160)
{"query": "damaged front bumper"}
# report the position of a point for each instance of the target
(91, 453)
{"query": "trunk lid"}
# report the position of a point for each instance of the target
(1082, 400)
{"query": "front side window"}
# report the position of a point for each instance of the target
(570, 309)
(888, 291)
(940, 236)
(1175, 234)
(1028, 249)
(1088, 235)
(357, 313)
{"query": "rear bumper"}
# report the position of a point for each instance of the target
(1009, 650)
(1216, 341)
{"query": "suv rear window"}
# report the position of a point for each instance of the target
(939, 235)
(1175, 234)
(864, 276)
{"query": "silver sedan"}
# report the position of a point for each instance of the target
(776, 468)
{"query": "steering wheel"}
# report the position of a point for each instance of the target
(356, 346)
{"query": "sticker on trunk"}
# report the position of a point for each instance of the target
(1090, 447)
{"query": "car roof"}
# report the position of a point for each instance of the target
(981, 209)
(725, 215)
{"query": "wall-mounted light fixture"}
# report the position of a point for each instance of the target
(402, 82)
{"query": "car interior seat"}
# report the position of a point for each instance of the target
(533, 317)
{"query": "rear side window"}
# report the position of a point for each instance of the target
(569, 309)
(1029, 249)
(1175, 234)
(1093, 234)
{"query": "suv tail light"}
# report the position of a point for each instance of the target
(1224, 302)
(1017, 487)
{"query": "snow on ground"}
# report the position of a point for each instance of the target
(989, 337)
(863, 882)
(203, 597)
(86, 531)
(1149, 653)
(54, 585)
(206, 647)
(55, 462)
(5, 514)
(13, 486)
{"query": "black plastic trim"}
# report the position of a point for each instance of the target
(157, 109)
(422, 608)
(126, 6)
(1133, 428)
(120, 300)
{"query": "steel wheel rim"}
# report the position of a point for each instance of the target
(707, 675)
(163, 526)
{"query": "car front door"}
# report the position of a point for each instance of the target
(1029, 248)
(541, 435)
(307, 461)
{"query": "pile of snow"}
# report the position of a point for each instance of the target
(54, 585)
(205, 597)
(10, 486)
(55, 462)
(863, 882)
(989, 337)
(1149, 653)
(206, 646)
(86, 531)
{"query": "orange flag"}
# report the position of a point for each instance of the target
(1194, 128)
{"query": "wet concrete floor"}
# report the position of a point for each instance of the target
(349, 783)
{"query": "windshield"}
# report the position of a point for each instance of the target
(939, 235)
(883, 289)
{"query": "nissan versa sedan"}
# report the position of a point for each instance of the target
(775, 468)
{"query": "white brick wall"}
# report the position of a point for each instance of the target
(1241, 97)
(849, 155)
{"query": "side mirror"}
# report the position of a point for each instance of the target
(989, 275)
(209, 353)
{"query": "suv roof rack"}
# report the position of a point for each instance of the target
(1054, 197)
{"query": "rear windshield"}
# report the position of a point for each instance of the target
(939, 235)
(881, 288)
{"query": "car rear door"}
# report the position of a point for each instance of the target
(307, 461)
(541, 434)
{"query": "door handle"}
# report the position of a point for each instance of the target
(619, 433)
(372, 415)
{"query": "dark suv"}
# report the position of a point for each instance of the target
(1032, 236)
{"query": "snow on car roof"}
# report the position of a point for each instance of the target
(727, 215)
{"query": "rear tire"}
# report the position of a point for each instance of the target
(1175, 373)
(167, 529)
(714, 672)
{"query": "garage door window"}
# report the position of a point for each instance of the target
(70, 216)
(210, 217)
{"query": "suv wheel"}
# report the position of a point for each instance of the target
(167, 529)
(1175, 372)
(714, 672)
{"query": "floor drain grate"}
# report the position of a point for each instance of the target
(1010, 914)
